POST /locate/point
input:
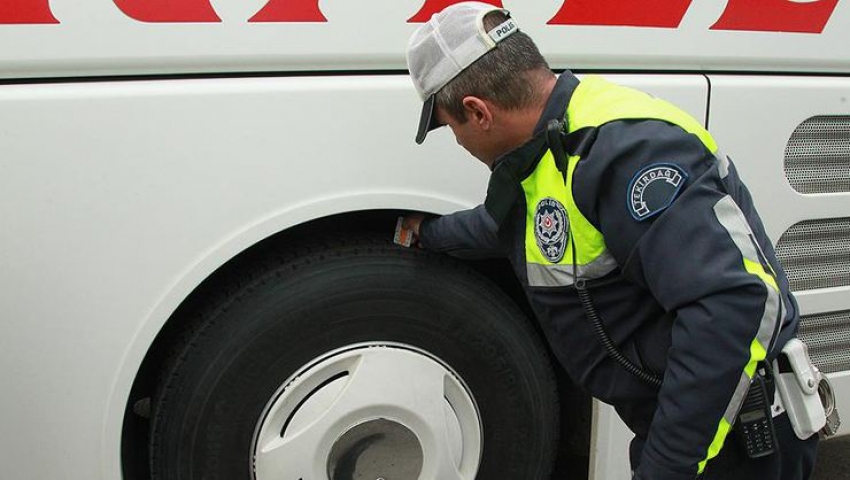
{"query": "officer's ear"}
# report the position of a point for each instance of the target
(478, 112)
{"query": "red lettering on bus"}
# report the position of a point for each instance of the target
(776, 16)
(433, 6)
(290, 11)
(169, 11)
(631, 13)
(26, 11)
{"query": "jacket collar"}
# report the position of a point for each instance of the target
(559, 99)
(511, 168)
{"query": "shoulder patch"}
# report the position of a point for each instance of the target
(551, 226)
(653, 189)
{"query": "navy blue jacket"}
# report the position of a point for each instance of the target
(680, 301)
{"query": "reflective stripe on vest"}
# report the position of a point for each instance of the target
(548, 253)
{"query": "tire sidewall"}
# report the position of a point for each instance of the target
(275, 326)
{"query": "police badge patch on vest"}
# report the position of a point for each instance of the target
(551, 225)
(653, 189)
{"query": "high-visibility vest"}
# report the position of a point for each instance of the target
(560, 243)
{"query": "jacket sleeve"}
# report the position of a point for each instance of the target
(470, 234)
(701, 262)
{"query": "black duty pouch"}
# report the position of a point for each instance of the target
(754, 424)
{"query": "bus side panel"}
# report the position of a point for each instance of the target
(120, 198)
(99, 38)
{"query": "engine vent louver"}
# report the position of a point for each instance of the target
(817, 157)
(816, 254)
(828, 338)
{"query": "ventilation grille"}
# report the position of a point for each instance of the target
(817, 157)
(816, 254)
(828, 338)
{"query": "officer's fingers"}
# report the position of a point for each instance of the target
(412, 222)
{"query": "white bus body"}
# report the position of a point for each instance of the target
(144, 145)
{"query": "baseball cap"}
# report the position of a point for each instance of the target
(440, 49)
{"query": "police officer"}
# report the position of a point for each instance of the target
(637, 243)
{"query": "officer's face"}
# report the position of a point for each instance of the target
(470, 135)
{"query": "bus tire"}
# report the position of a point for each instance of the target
(354, 359)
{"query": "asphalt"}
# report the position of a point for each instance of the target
(833, 461)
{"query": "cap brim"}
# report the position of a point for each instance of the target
(427, 121)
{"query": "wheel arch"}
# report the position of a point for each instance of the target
(221, 266)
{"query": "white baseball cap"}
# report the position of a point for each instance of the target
(444, 46)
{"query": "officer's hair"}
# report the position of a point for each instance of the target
(501, 75)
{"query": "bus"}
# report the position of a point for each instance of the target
(197, 273)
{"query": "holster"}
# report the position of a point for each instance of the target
(806, 393)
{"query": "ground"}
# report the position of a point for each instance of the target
(833, 460)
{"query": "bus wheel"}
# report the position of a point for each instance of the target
(358, 360)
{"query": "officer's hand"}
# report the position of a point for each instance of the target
(412, 223)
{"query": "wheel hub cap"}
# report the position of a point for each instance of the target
(370, 411)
